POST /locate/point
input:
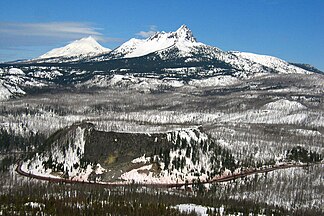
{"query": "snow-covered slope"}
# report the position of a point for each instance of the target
(7, 91)
(9, 81)
(182, 48)
(144, 84)
(13, 81)
(84, 47)
(62, 162)
(284, 104)
(182, 39)
(274, 63)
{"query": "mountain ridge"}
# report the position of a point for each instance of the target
(164, 55)
(182, 37)
(161, 48)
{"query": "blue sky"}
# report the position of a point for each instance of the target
(290, 29)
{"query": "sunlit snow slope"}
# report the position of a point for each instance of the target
(271, 62)
(84, 47)
(182, 38)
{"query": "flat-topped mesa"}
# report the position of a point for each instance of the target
(82, 153)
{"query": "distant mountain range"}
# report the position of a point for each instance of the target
(164, 50)
(165, 58)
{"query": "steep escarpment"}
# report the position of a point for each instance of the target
(124, 147)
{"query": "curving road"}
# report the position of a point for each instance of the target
(165, 185)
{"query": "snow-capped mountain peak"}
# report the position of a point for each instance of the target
(83, 47)
(179, 46)
(182, 34)
(182, 38)
(185, 33)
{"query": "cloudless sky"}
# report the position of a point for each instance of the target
(289, 29)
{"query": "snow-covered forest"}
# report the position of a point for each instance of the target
(259, 122)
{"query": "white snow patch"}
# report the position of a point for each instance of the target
(35, 205)
(306, 132)
(141, 159)
(15, 71)
(132, 82)
(99, 169)
(5, 94)
(46, 74)
(284, 104)
(187, 208)
(214, 81)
